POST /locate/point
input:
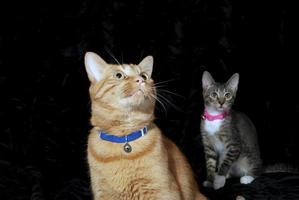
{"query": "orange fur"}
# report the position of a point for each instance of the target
(155, 169)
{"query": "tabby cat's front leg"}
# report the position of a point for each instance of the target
(233, 153)
(211, 163)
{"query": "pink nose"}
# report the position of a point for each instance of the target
(139, 80)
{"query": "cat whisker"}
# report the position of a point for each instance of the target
(160, 86)
(160, 102)
(173, 93)
(161, 97)
(166, 81)
(110, 53)
(151, 99)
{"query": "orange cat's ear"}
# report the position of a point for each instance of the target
(95, 66)
(147, 65)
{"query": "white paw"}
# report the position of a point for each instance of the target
(246, 179)
(240, 198)
(219, 182)
(207, 184)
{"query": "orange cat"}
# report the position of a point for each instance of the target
(128, 157)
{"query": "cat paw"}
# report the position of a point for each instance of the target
(246, 179)
(207, 184)
(240, 198)
(219, 182)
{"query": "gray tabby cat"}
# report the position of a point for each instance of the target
(229, 137)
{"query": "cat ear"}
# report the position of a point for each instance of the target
(94, 65)
(233, 82)
(207, 80)
(147, 65)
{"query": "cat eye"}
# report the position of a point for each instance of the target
(214, 94)
(228, 95)
(119, 75)
(144, 76)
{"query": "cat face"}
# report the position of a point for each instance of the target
(219, 96)
(120, 87)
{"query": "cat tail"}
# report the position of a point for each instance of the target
(281, 167)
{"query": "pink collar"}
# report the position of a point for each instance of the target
(210, 117)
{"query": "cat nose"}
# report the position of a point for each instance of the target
(139, 80)
(221, 102)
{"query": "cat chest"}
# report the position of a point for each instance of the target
(212, 127)
(218, 145)
(130, 180)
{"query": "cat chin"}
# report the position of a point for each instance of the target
(221, 109)
(133, 101)
(216, 109)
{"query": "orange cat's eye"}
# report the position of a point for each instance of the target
(144, 76)
(119, 75)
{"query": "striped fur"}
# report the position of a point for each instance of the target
(231, 149)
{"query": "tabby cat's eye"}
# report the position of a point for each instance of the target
(228, 95)
(144, 76)
(214, 94)
(119, 75)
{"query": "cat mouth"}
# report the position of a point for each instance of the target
(221, 107)
(136, 93)
(140, 91)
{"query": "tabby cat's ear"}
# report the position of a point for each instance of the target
(207, 80)
(147, 65)
(95, 66)
(233, 82)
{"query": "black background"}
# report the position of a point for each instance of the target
(45, 109)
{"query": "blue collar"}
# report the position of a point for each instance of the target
(123, 139)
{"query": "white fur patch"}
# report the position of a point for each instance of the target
(212, 127)
(240, 198)
(219, 182)
(129, 71)
(246, 179)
